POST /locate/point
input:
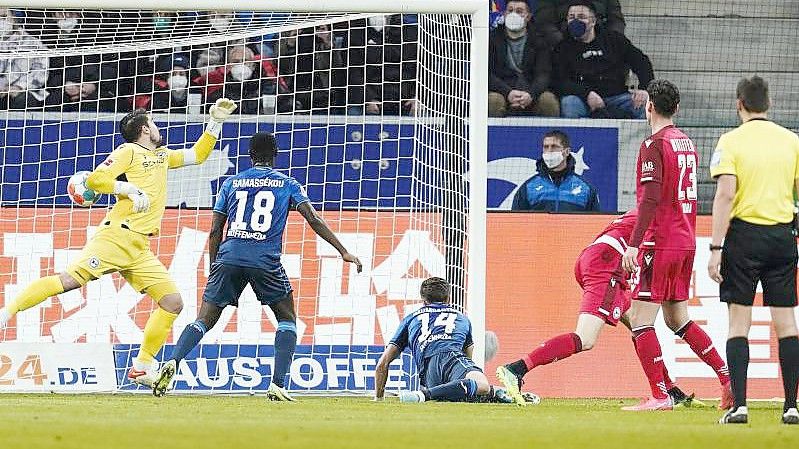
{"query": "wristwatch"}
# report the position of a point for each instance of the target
(716, 247)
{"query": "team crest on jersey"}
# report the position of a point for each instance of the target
(94, 262)
(616, 313)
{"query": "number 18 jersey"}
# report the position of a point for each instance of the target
(668, 157)
(256, 202)
(433, 329)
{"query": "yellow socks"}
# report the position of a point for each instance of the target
(155, 333)
(36, 292)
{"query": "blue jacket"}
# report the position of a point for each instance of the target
(567, 193)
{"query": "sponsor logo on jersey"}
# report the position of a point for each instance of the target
(648, 142)
(648, 258)
(593, 54)
(647, 166)
(613, 282)
(577, 190)
(108, 161)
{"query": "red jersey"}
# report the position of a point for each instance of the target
(668, 157)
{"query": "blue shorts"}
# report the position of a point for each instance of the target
(226, 283)
(446, 367)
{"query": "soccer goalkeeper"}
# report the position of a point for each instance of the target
(136, 172)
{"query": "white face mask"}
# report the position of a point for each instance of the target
(377, 23)
(68, 24)
(552, 159)
(514, 22)
(178, 82)
(241, 72)
(6, 27)
(220, 23)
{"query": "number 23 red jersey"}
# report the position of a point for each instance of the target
(668, 157)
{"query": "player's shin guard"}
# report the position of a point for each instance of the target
(789, 365)
(36, 292)
(285, 343)
(188, 340)
(455, 391)
(554, 349)
(738, 359)
(155, 332)
(649, 353)
(702, 346)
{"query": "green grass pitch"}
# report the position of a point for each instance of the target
(176, 422)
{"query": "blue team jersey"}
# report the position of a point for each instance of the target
(256, 202)
(433, 329)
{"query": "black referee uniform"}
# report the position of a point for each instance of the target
(760, 244)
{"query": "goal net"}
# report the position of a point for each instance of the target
(372, 113)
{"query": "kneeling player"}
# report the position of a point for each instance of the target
(256, 202)
(440, 340)
(605, 301)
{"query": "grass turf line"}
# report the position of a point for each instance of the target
(177, 422)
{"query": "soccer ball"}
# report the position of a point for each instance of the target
(79, 193)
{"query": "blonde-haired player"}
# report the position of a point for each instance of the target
(137, 173)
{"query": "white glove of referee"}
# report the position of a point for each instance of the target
(140, 201)
(220, 112)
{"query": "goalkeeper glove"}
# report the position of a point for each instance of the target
(220, 111)
(140, 201)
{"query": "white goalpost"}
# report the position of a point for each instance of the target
(379, 109)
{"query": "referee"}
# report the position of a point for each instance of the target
(756, 167)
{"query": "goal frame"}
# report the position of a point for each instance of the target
(478, 102)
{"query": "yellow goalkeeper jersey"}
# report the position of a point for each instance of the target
(146, 169)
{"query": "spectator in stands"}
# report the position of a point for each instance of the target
(171, 84)
(220, 21)
(320, 81)
(391, 49)
(592, 67)
(75, 88)
(556, 187)
(247, 78)
(22, 79)
(519, 67)
(550, 18)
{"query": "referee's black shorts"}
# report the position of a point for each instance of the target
(765, 253)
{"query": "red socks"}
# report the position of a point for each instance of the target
(647, 347)
(702, 346)
(553, 349)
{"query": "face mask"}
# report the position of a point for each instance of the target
(178, 82)
(241, 72)
(377, 23)
(220, 23)
(514, 22)
(161, 23)
(6, 26)
(68, 24)
(552, 159)
(577, 28)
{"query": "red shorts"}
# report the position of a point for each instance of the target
(599, 273)
(665, 275)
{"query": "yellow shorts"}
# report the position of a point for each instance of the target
(113, 249)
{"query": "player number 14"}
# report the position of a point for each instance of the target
(447, 320)
(687, 163)
(261, 216)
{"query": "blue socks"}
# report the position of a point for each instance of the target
(455, 391)
(191, 335)
(285, 343)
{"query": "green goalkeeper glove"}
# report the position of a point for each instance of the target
(220, 112)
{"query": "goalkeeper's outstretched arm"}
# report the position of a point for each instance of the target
(201, 149)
